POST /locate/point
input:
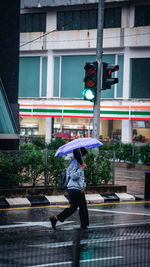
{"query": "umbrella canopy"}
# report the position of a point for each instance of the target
(77, 143)
(62, 135)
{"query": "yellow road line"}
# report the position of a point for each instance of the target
(59, 206)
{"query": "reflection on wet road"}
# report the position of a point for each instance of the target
(119, 235)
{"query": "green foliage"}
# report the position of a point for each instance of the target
(129, 152)
(144, 154)
(90, 170)
(38, 142)
(54, 167)
(98, 169)
(27, 147)
(32, 166)
(56, 143)
(9, 166)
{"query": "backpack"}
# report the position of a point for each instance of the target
(63, 180)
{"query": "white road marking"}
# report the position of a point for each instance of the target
(125, 236)
(82, 261)
(121, 212)
(28, 224)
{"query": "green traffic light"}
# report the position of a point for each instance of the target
(89, 94)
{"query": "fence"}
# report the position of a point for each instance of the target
(41, 167)
(107, 247)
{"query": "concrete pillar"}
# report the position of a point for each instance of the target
(50, 69)
(48, 130)
(126, 136)
(50, 72)
(126, 74)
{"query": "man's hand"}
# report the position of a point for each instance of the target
(83, 166)
(82, 190)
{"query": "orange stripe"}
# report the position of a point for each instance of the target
(139, 107)
(34, 105)
(84, 106)
(78, 106)
(120, 107)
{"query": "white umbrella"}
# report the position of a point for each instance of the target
(77, 143)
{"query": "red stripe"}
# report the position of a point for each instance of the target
(86, 117)
(52, 116)
(140, 119)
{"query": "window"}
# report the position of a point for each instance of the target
(142, 15)
(34, 22)
(6, 122)
(87, 19)
(112, 18)
(28, 131)
(69, 74)
(140, 78)
(32, 76)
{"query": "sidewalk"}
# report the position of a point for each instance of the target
(132, 178)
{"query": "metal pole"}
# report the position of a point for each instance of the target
(76, 249)
(113, 174)
(99, 52)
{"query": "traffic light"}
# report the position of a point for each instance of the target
(108, 80)
(90, 81)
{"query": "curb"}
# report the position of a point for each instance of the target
(33, 201)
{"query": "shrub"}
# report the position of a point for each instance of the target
(38, 142)
(53, 168)
(9, 166)
(56, 143)
(144, 154)
(98, 169)
(32, 167)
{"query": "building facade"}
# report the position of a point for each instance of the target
(57, 38)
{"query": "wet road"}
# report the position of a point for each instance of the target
(119, 235)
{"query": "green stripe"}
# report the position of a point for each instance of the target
(140, 113)
(146, 113)
(41, 110)
(77, 111)
(25, 110)
(102, 112)
(115, 112)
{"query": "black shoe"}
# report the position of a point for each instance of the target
(53, 222)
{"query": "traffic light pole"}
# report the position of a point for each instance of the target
(99, 52)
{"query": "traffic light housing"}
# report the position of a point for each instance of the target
(90, 81)
(108, 80)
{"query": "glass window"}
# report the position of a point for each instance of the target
(142, 15)
(29, 131)
(112, 17)
(34, 22)
(140, 78)
(29, 76)
(6, 122)
(44, 76)
(72, 75)
(87, 19)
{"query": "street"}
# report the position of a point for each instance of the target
(119, 235)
